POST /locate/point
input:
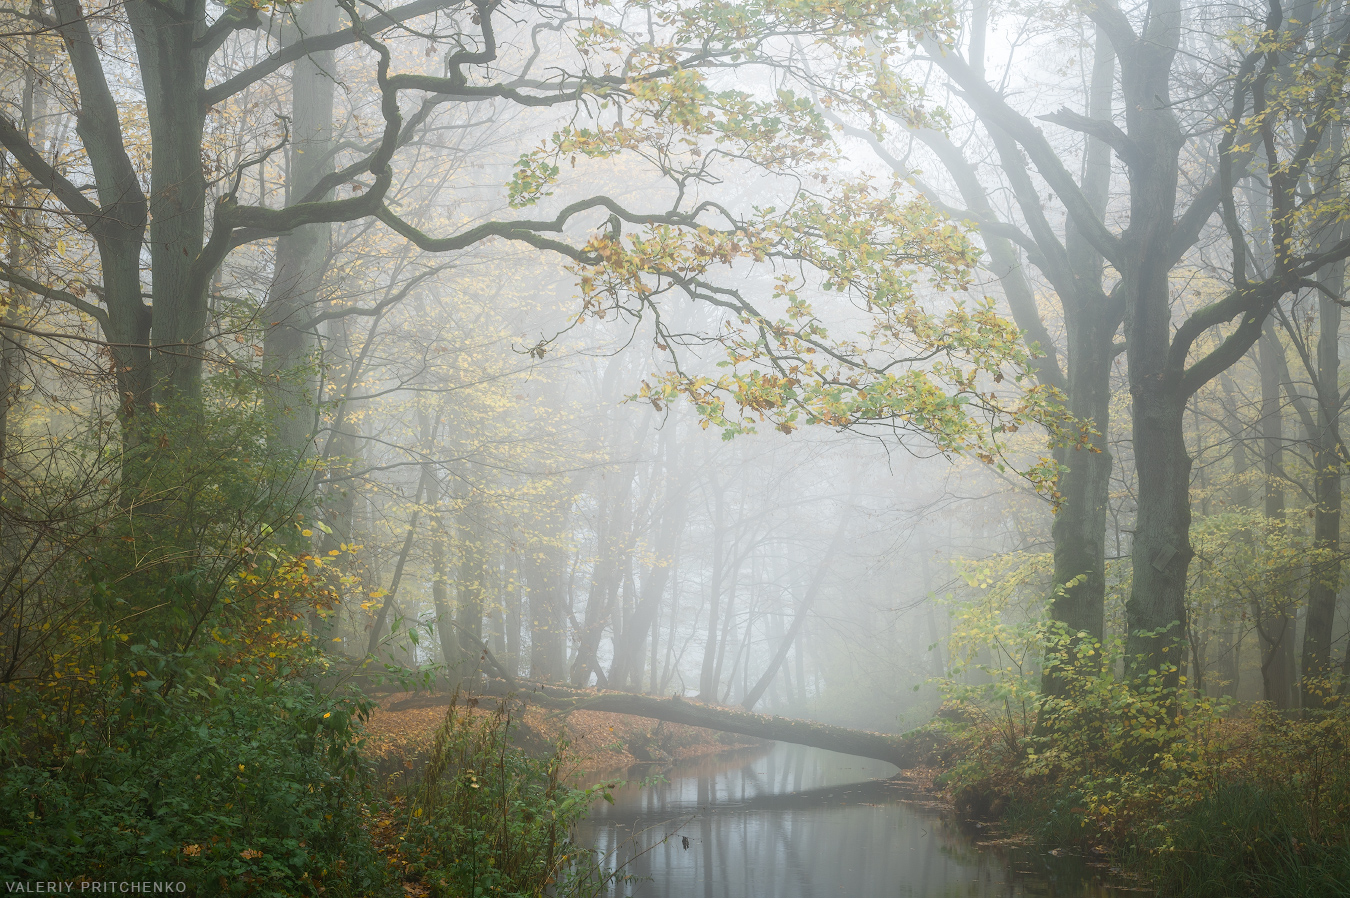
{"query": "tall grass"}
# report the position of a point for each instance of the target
(486, 819)
(1250, 839)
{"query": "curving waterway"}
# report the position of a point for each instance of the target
(797, 822)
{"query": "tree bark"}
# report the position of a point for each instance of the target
(1156, 608)
(615, 519)
(728, 628)
(514, 601)
(173, 66)
(1091, 318)
(1079, 527)
(117, 225)
(16, 300)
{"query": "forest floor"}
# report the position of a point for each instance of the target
(403, 726)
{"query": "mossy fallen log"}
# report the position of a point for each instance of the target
(907, 751)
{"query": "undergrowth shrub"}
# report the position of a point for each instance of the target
(243, 783)
(162, 709)
(487, 819)
(1202, 804)
(1273, 818)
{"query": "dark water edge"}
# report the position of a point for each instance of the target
(796, 822)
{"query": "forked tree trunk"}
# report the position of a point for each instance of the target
(1074, 268)
(173, 64)
(1161, 553)
(1091, 318)
(604, 595)
(627, 668)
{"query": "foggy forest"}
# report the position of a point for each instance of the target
(674, 447)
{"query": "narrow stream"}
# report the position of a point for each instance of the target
(799, 822)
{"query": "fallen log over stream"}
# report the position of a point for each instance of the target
(907, 751)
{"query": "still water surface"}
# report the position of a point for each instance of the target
(798, 822)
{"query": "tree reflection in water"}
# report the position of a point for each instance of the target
(797, 822)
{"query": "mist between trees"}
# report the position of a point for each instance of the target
(804, 356)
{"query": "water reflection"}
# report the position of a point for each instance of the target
(803, 823)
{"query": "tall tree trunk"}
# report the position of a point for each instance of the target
(440, 581)
(799, 662)
(514, 599)
(1091, 318)
(1274, 620)
(118, 227)
(1161, 553)
(1156, 608)
(1074, 268)
(728, 626)
(669, 664)
(628, 650)
(1240, 496)
(707, 684)
(1324, 584)
(601, 597)
(173, 67)
(16, 301)
(471, 592)
(303, 253)
(11, 384)
(654, 662)
(1079, 528)
(545, 581)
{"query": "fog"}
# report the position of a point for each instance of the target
(971, 370)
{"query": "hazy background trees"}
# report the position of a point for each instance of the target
(250, 264)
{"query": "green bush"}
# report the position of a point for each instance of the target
(246, 784)
(1201, 804)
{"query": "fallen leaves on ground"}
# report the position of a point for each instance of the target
(598, 741)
